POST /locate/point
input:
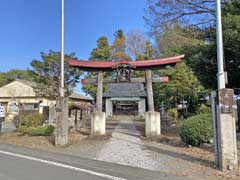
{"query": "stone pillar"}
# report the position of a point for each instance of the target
(109, 108)
(99, 91)
(98, 118)
(52, 113)
(61, 137)
(152, 124)
(149, 90)
(142, 107)
(224, 125)
(152, 119)
(98, 123)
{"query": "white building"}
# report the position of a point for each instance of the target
(21, 92)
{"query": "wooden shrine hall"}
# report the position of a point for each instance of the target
(124, 93)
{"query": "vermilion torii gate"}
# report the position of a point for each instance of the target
(123, 71)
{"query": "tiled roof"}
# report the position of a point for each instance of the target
(79, 96)
(28, 83)
(125, 90)
(107, 65)
(34, 85)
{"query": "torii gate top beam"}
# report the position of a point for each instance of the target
(138, 65)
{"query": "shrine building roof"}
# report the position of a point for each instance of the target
(109, 65)
(125, 90)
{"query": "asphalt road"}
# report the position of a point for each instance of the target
(18, 163)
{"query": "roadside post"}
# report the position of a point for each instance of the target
(2, 115)
(61, 136)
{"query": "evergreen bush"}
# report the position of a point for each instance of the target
(197, 129)
(203, 109)
(32, 119)
(42, 131)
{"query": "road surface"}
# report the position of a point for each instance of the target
(18, 163)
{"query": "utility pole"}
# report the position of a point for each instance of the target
(62, 53)
(61, 137)
(224, 111)
(220, 61)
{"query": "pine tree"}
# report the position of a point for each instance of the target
(101, 53)
(118, 51)
(46, 72)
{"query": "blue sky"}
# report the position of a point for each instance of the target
(31, 26)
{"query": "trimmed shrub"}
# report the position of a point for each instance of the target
(42, 131)
(197, 130)
(204, 109)
(23, 129)
(32, 120)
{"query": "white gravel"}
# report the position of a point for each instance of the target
(125, 147)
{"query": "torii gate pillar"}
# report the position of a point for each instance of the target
(98, 119)
(152, 120)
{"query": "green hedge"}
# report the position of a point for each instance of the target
(32, 119)
(42, 131)
(203, 109)
(37, 131)
(197, 129)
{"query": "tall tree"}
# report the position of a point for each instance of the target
(135, 43)
(148, 52)
(202, 58)
(161, 13)
(47, 74)
(118, 51)
(183, 85)
(101, 53)
(199, 44)
(171, 41)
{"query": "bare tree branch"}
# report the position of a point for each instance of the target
(160, 13)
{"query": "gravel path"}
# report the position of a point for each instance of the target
(125, 147)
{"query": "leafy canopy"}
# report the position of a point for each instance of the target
(13, 74)
(183, 85)
(47, 73)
